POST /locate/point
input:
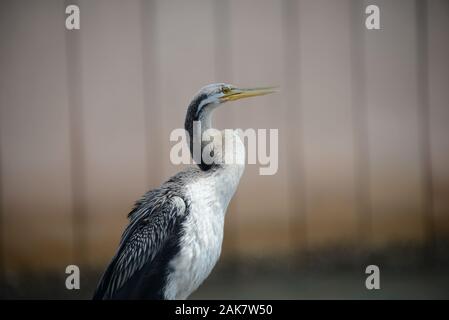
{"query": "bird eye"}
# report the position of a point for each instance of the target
(226, 90)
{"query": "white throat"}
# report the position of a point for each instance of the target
(209, 198)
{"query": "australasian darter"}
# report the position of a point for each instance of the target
(175, 232)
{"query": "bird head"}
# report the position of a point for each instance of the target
(212, 95)
(209, 98)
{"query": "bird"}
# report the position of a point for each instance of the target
(175, 232)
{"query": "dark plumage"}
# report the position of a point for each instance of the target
(140, 267)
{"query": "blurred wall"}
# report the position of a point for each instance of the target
(86, 116)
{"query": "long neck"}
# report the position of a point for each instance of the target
(196, 124)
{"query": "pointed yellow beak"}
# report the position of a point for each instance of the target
(236, 93)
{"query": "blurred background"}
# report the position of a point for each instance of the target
(363, 119)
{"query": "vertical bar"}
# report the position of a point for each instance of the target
(297, 182)
(438, 77)
(5, 21)
(223, 59)
(424, 127)
(150, 90)
(78, 165)
(2, 257)
(360, 125)
(223, 73)
(3, 8)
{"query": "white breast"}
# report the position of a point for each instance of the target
(203, 230)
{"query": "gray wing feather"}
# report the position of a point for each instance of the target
(151, 223)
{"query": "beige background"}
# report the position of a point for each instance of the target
(86, 115)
